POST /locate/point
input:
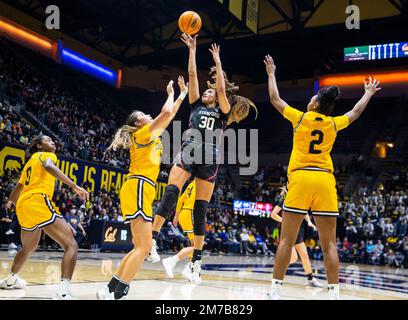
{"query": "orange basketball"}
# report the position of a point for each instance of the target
(189, 22)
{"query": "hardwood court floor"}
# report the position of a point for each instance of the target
(224, 278)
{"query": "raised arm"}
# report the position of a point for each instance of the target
(221, 92)
(193, 88)
(274, 97)
(52, 169)
(170, 108)
(371, 88)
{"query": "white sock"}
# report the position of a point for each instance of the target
(65, 286)
(175, 258)
(276, 283)
(333, 287)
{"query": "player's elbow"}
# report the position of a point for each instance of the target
(275, 100)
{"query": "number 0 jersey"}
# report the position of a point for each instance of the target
(35, 179)
(313, 139)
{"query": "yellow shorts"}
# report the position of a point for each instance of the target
(186, 222)
(36, 211)
(312, 190)
(136, 198)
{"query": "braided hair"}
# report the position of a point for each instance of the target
(240, 106)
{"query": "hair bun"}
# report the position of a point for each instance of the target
(333, 92)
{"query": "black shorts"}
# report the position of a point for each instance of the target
(301, 235)
(205, 167)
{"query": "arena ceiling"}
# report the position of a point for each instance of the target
(305, 36)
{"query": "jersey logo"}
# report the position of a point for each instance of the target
(318, 119)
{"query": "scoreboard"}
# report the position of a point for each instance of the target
(254, 209)
(377, 52)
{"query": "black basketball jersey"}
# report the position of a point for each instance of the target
(206, 120)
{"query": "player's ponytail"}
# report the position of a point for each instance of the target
(240, 106)
(33, 146)
(283, 191)
(123, 137)
(327, 98)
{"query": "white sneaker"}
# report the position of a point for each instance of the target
(12, 246)
(153, 256)
(104, 294)
(314, 283)
(188, 272)
(169, 264)
(63, 296)
(334, 292)
(196, 272)
(16, 283)
(276, 291)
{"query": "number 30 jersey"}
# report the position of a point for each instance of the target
(203, 119)
(314, 135)
(35, 179)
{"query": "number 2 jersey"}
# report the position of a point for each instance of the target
(313, 139)
(35, 179)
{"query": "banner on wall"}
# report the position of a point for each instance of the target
(93, 176)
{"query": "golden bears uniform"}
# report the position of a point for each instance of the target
(139, 191)
(311, 181)
(185, 207)
(34, 207)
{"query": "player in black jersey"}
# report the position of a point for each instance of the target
(300, 246)
(218, 107)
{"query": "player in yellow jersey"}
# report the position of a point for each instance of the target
(35, 212)
(312, 185)
(184, 217)
(141, 135)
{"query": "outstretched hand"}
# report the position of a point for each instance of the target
(269, 65)
(371, 86)
(215, 51)
(182, 85)
(189, 40)
(82, 193)
(170, 89)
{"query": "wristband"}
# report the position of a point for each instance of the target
(183, 95)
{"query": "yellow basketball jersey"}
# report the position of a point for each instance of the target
(314, 135)
(34, 178)
(145, 154)
(187, 199)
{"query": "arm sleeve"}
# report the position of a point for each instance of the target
(293, 115)
(341, 122)
(142, 136)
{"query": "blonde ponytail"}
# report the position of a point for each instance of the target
(123, 137)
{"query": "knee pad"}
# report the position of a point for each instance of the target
(168, 201)
(199, 217)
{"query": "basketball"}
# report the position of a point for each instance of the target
(189, 22)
